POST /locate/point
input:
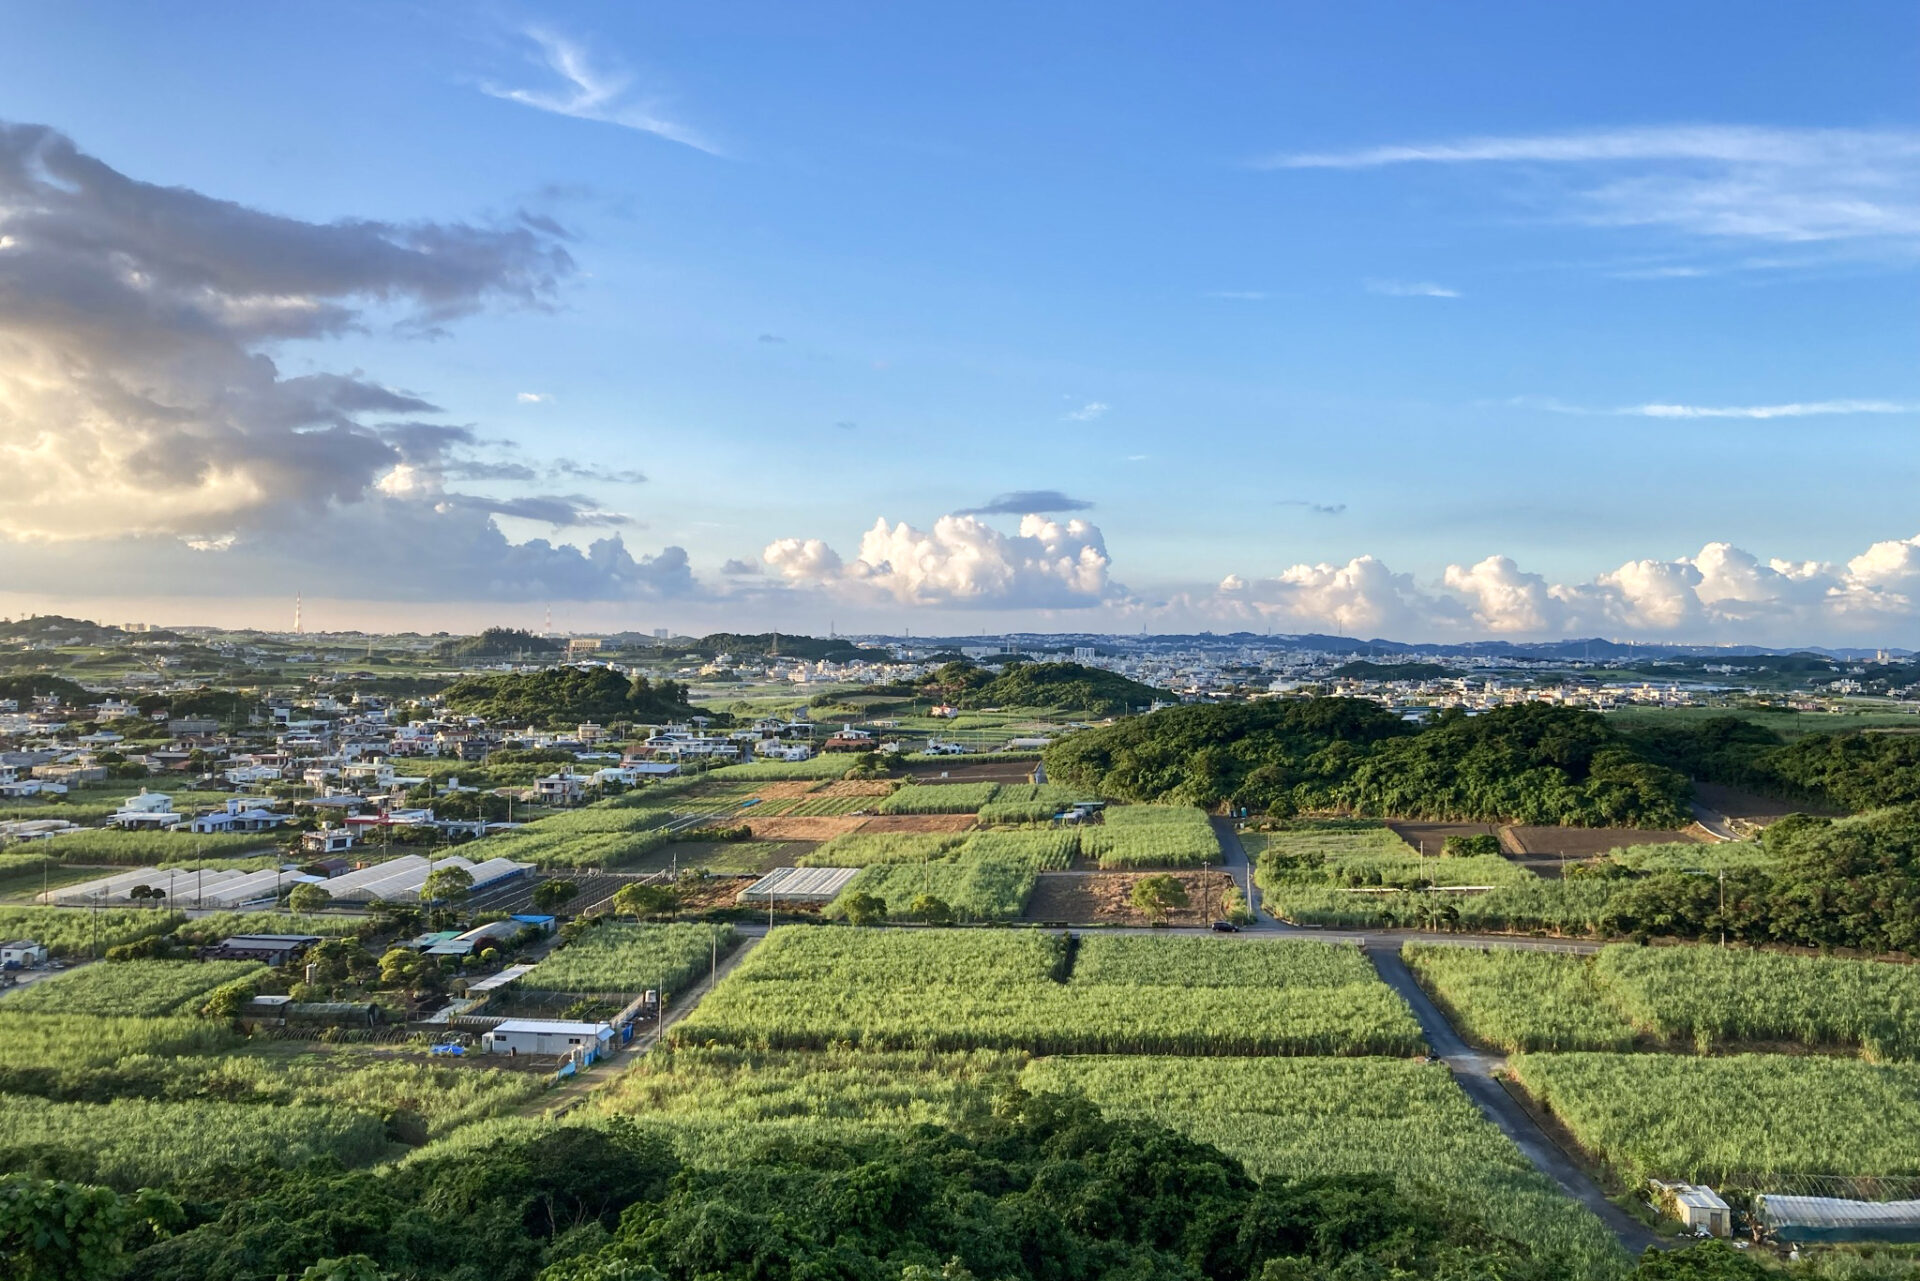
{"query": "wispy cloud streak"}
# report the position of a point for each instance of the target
(593, 93)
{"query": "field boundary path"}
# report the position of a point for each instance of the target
(1473, 1072)
(1240, 867)
(569, 1096)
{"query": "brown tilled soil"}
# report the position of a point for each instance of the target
(823, 828)
(714, 891)
(1105, 898)
(1586, 842)
(857, 787)
(787, 789)
(918, 823)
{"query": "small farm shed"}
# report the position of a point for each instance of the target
(552, 1037)
(798, 885)
(1697, 1207)
(22, 954)
(1818, 1218)
(274, 949)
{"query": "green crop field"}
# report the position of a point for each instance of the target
(1686, 856)
(1707, 1119)
(1520, 1000)
(937, 798)
(615, 958)
(215, 926)
(1152, 836)
(137, 849)
(818, 767)
(830, 806)
(130, 1143)
(1047, 849)
(70, 931)
(62, 1042)
(133, 989)
(859, 849)
(977, 889)
(1030, 802)
(807, 988)
(1700, 996)
(1303, 1117)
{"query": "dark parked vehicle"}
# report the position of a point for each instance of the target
(1225, 927)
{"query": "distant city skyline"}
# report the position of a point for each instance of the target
(1380, 321)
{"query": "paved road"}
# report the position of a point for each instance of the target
(1240, 867)
(1473, 1071)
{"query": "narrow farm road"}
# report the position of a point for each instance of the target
(1240, 867)
(1473, 1071)
(575, 1091)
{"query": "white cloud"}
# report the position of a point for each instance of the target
(592, 92)
(533, 397)
(1410, 289)
(1724, 182)
(962, 562)
(1505, 599)
(1798, 409)
(1087, 413)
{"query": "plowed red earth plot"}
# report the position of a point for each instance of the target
(1106, 898)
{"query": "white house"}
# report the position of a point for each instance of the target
(238, 816)
(330, 840)
(148, 811)
(559, 789)
(553, 1037)
(774, 750)
(20, 789)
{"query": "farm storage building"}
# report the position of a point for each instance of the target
(552, 1037)
(274, 949)
(1820, 1218)
(399, 880)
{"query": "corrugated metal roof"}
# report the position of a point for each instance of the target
(1832, 1212)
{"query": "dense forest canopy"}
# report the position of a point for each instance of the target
(1039, 1186)
(24, 688)
(561, 697)
(500, 642)
(1531, 763)
(1852, 883)
(1057, 686)
(1851, 770)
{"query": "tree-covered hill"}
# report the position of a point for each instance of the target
(564, 696)
(1530, 763)
(1055, 686)
(500, 642)
(1850, 771)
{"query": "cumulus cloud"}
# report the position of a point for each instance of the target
(1022, 501)
(1087, 413)
(141, 405)
(962, 562)
(1721, 593)
(1410, 289)
(590, 90)
(740, 569)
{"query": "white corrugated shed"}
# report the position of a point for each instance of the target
(799, 885)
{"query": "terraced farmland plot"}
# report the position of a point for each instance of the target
(129, 989)
(939, 990)
(617, 959)
(829, 806)
(1152, 836)
(859, 849)
(1303, 1117)
(1705, 1119)
(1049, 850)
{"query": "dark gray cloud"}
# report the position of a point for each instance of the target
(1318, 509)
(1024, 501)
(135, 327)
(740, 569)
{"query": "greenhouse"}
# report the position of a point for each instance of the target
(1820, 1218)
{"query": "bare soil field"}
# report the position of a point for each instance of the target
(918, 822)
(1429, 838)
(1105, 898)
(1586, 842)
(857, 787)
(823, 828)
(958, 770)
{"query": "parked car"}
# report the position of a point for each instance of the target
(1225, 927)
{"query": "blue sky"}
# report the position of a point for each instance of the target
(1404, 320)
